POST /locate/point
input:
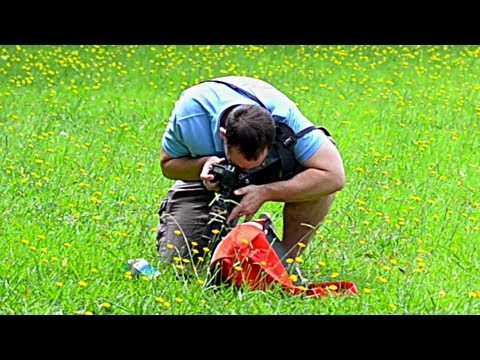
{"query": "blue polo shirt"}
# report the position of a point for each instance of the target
(193, 128)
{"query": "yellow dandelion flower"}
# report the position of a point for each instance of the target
(238, 268)
(244, 241)
(293, 277)
(442, 294)
(392, 306)
(106, 305)
(299, 259)
(322, 263)
(167, 304)
(95, 270)
(178, 300)
(367, 290)
(177, 232)
(25, 241)
(170, 246)
(200, 282)
(41, 237)
(194, 243)
(393, 261)
(160, 299)
(335, 274)
(301, 245)
(177, 259)
(67, 244)
(263, 263)
(145, 278)
(215, 231)
(95, 200)
(88, 312)
(203, 301)
(289, 261)
(59, 284)
(333, 287)
(186, 261)
(82, 283)
(206, 249)
(382, 279)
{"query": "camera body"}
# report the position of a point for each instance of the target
(230, 178)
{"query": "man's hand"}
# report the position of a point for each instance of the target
(253, 198)
(205, 175)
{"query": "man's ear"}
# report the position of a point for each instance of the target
(223, 133)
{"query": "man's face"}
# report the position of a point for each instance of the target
(235, 157)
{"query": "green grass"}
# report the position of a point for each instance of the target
(80, 183)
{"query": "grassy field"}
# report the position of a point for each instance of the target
(80, 183)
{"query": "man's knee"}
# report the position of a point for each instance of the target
(182, 218)
(314, 209)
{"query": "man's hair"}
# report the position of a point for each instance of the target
(250, 129)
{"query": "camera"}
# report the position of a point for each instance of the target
(230, 178)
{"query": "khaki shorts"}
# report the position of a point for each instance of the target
(183, 216)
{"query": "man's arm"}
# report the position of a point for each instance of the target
(324, 175)
(183, 168)
(188, 168)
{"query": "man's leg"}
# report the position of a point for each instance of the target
(182, 216)
(309, 212)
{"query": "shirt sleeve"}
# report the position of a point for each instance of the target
(309, 143)
(172, 141)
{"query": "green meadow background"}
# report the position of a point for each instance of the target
(80, 177)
